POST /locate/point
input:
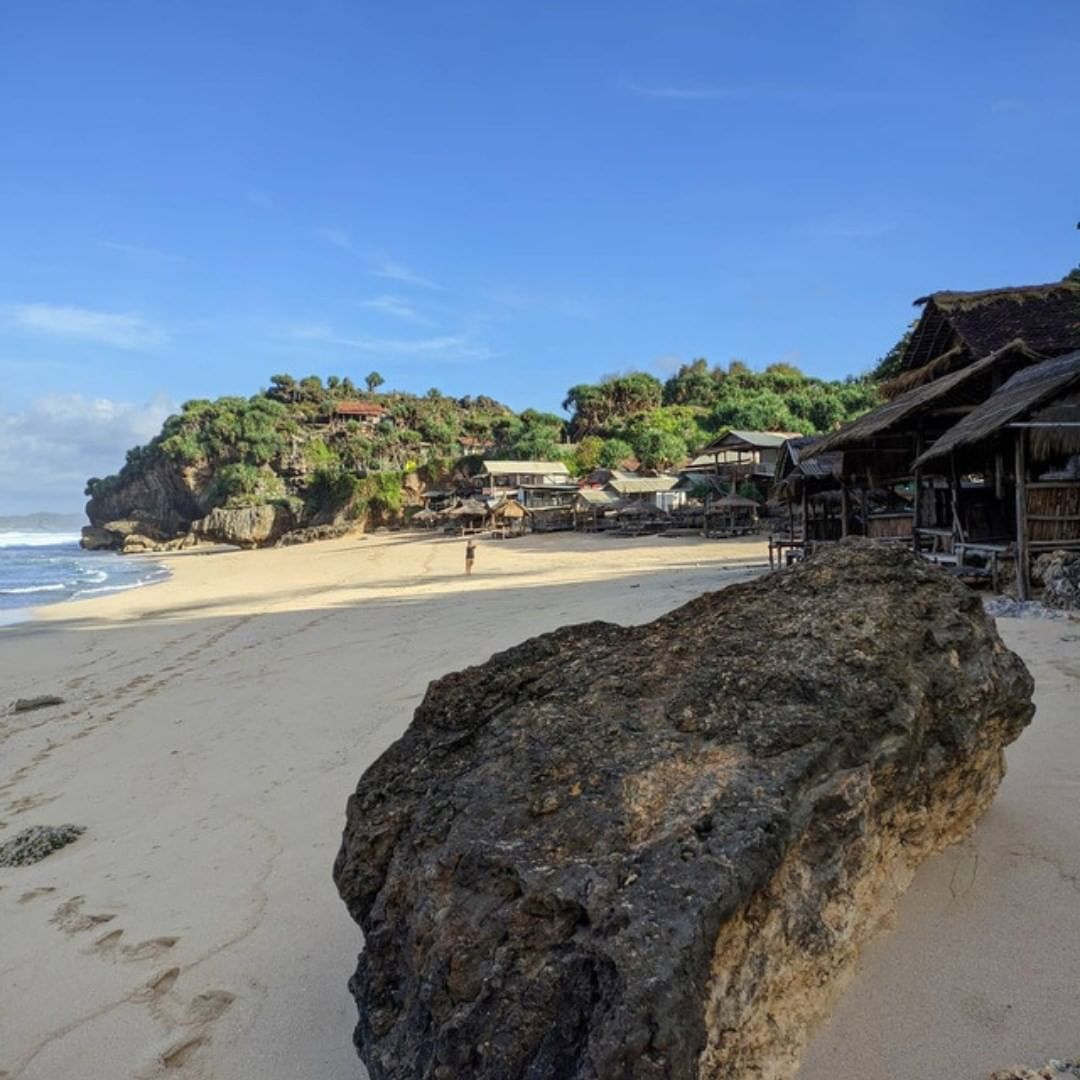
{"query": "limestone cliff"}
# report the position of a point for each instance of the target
(654, 852)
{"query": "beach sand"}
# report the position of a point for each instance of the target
(215, 724)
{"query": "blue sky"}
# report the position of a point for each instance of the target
(501, 198)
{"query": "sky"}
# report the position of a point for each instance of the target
(504, 198)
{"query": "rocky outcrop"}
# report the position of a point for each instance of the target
(316, 532)
(654, 851)
(1059, 572)
(163, 501)
(245, 526)
(1052, 1070)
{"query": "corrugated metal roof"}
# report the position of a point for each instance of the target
(758, 440)
(643, 485)
(525, 468)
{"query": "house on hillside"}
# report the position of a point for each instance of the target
(503, 477)
(366, 413)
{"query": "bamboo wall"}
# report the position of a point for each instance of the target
(1053, 511)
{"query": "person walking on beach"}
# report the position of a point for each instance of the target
(470, 557)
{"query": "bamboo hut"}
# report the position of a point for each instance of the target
(731, 515)
(1023, 443)
(470, 516)
(510, 518)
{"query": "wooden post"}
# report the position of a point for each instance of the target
(843, 511)
(864, 502)
(1022, 584)
(805, 519)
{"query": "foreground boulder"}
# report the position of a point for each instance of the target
(1060, 574)
(654, 851)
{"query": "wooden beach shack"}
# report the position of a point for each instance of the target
(594, 509)
(1023, 445)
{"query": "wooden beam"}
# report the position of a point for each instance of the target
(843, 511)
(1023, 587)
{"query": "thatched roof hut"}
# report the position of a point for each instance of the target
(882, 443)
(1045, 394)
(956, 328)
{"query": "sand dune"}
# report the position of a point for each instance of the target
(215, 724)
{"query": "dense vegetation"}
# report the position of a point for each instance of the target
(281, 445)
(662, 423)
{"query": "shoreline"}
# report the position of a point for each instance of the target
(213, 727)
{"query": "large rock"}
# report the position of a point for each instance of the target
(1060, 575)
(163, 499)
(654, 851)
(245, 526)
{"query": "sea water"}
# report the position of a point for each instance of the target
(48, 567)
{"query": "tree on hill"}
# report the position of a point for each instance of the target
(374, 380)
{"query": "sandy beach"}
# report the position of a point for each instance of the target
(214, 725)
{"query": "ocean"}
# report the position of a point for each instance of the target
(41, 567)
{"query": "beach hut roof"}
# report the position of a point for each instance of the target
(957, 384)
(525, 468)
(1028, 390)
(643, 485)
(736, 502)
(968, 325)
(595, 497)
(469, 508)
(359, 408)
(738, 439)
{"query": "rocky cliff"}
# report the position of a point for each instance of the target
(654, 851)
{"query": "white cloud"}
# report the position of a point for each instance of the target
(48, 452)
(395, 271)
(397, 308)
(124, 331)
(447, 347)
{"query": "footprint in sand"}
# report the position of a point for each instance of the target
(106, 944)
(34, 894)
(202, 1011)
(160, 984)
(150, 949)
(70, 918)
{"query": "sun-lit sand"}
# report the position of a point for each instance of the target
(214, 726)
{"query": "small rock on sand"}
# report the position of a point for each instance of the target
(34, 844)
(1052, 1070)
(30, 704)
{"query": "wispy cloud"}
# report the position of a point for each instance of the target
(447, 347)
(397, 308)
(689, 92)
(395, 271)
(124, 331)
(809, 97)
(137, 251)
(338, 238)
(389, 269)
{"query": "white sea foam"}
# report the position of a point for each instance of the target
(33, 588)
(18, 538)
